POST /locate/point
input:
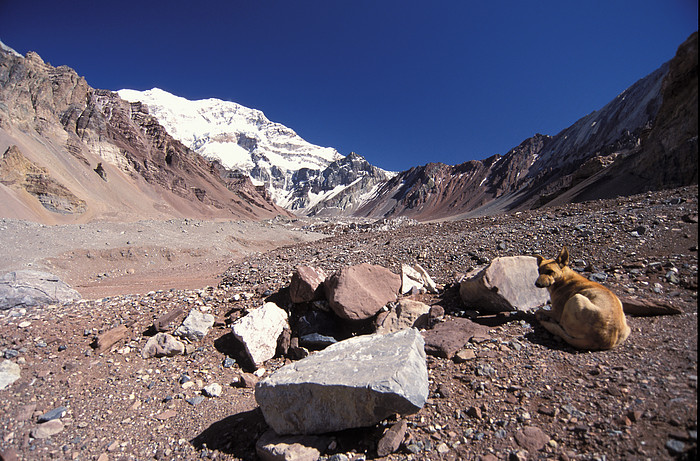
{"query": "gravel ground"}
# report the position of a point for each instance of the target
(107, 258)
(638, 401)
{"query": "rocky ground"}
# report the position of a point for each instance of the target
(520, 390)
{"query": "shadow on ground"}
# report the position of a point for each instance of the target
(235, 434)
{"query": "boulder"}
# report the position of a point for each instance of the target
(195, 326)
(359, 292)
(506, 284)
(353, 383)
(307, 284)
(258, 331)
(162, 345)
(446, 339)
(32, 288)
(407, 314)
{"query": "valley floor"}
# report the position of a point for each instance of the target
(638, 401)
(107, 258)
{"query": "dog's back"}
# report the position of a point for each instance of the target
(584, 313)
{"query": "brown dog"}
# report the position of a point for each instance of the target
(585, 314)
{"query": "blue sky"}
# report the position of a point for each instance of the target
(400, 82)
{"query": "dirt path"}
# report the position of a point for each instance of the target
(107, 259)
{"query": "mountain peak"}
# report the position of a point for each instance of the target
(245, 140)
(9, 50)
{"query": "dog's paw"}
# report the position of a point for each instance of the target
(542, 316)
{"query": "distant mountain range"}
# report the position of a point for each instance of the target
(54, 126)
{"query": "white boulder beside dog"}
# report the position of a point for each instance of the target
(507, 284)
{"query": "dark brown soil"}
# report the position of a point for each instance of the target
(638, 401)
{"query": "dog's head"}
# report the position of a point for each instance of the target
(551, 269)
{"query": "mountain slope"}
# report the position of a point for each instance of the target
(299, 176)
(112, 156)
(532, 174)
(667, 155)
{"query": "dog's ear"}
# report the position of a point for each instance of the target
(563, 258)
(539, 259)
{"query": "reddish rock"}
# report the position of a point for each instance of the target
(165, 321)
(531, 438)
(306, 284)
(445, 339)
(247, 380)
(358, 292)
(110, 337)
(392, 439)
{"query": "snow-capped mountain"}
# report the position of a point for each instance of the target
(241, 138)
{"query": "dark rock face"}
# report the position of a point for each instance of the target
(668, 154)
(659, 112)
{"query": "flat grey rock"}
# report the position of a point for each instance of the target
(353, 383)
(195, 326)
(26, 288)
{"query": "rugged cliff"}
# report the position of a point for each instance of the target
(112, 156)
(646, 137)
(667, 155)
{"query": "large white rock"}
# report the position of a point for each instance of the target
(353, 383)
(416, 277)
(259, 331)
(507, 284)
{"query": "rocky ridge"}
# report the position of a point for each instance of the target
(644, 139)
(512, 392)
(106, 158)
